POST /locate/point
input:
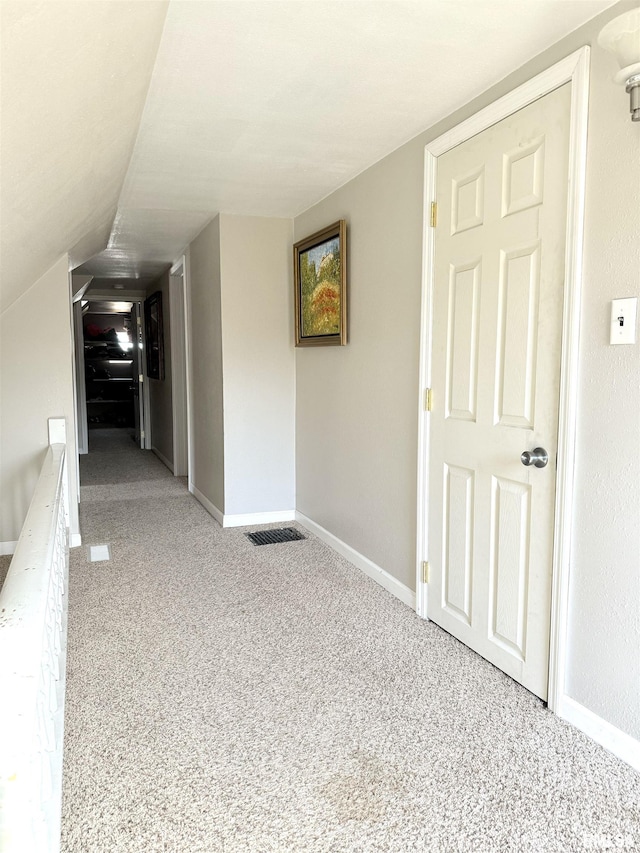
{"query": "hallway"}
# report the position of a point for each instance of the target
(227, 697)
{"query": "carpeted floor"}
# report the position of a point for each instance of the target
(226, 697)
(5, 562)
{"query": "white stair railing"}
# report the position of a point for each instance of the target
(33, 625)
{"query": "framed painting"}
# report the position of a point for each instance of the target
(320, 285)
(154, 334)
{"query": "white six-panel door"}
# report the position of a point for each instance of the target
(496, 344)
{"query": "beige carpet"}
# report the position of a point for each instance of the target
(226, 697)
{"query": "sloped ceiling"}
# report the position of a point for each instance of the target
(74, 77)
(258, 108)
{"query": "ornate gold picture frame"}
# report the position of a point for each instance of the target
(320, 287)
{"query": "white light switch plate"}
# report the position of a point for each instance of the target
(623, 320)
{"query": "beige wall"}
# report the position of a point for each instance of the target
(207, 452)
(356, 414)
(357, 408)
(160, 391)
(36, 383)
(259, 364)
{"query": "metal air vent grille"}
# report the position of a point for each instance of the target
(271, 537)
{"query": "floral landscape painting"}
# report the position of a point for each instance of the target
(320, 288)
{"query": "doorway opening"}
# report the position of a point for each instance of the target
(111, 370)
(108, 365)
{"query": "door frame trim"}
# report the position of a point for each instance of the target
(188, 344)
(573, 69)
(179, 407)
(139, 298)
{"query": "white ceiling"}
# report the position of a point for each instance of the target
(262, 108)
(75, 76)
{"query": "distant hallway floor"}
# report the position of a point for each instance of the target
(226, 697)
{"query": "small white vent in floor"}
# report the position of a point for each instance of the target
(99, 552)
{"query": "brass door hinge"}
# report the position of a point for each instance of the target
(428, 399)
(434, 214)
(425, 572)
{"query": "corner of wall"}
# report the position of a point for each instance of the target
(45, 368)
(613, 739)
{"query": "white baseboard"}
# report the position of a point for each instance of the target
(243, 520)
(247, 519)
(162, 458)
(611, 738)
(380, 575)
(75, 540)
(206, 503)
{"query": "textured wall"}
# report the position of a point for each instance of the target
(357, 407)
(604, 628)
(258, 356)
(243, 364)
(36, 383)
(207, 473)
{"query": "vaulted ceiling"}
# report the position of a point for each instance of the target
(126, 126)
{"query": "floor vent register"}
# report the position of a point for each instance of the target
(271, 537)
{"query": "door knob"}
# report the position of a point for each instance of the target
(538, 457)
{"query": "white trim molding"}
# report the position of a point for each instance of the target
(574, 69)
(243, 519)
(75, 540)
(186, 281)
(180, 466)
(378, 574)
(7, 548)
(622, 745)
(252, 518)
(79, 387)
